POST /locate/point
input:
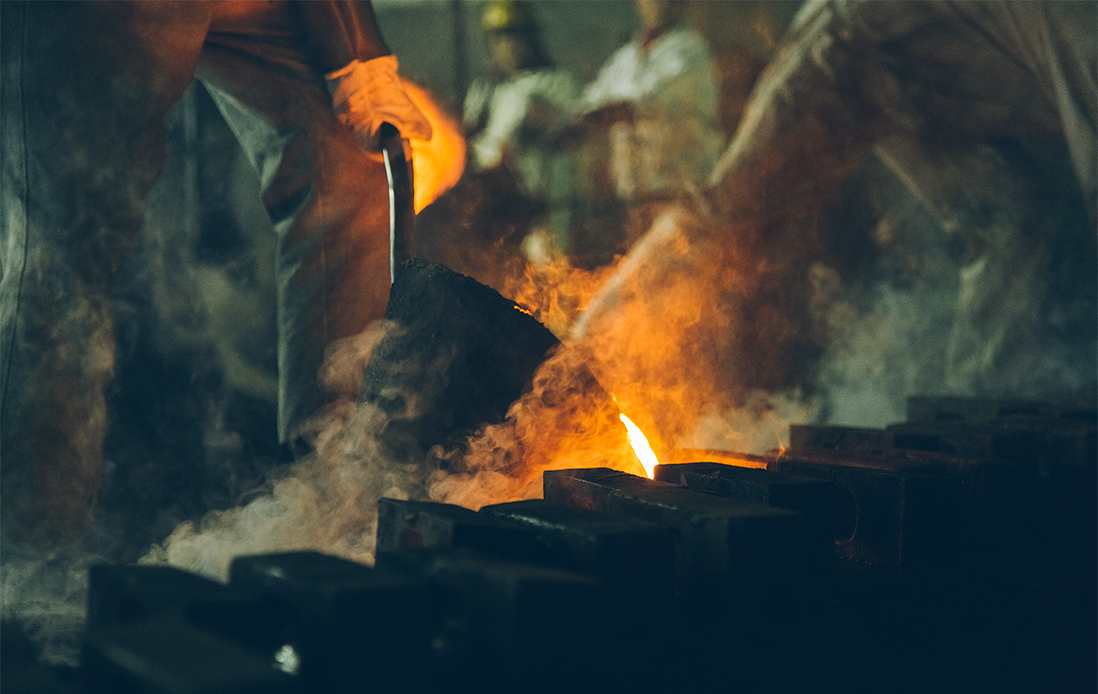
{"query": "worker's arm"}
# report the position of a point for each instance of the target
(361, 71)
(340, 32)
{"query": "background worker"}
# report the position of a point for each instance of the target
(512, 115)
(658, 98)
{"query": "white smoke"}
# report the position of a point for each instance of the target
(48, 599)
(326, 501)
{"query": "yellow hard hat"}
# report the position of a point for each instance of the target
(506, 15)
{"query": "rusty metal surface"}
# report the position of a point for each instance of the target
(330, 601)
(960, 573)
(1026, 472)
(613, 547)
(1037, 447)
(903, 518)
(927, 408)
(505, 620)
(163, 655)
(720, 540)
(829, 508)
(428, 525)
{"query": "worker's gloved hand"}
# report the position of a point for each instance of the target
(367, 94)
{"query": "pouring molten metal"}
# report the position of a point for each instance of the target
(641, 447)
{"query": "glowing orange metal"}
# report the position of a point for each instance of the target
(641, 447)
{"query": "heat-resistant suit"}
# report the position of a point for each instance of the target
(85, 86)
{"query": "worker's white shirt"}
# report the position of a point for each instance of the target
(513, 127)
(675, 138)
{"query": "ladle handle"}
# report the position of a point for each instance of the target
(398, 170)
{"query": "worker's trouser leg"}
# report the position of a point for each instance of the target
(84, 89)
(326, 197)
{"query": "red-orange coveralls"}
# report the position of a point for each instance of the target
(85, 87)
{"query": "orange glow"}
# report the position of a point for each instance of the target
(566, 420)
(649, 335)
(556, 292)
(697, 455)
(439, 162)
(640, 445)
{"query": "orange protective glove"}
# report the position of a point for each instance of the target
(367, 94)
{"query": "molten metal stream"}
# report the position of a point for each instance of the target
(640, 446)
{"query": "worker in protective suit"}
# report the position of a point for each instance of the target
(512, 116)
(987, 111)
(305, 87)
(658, 98)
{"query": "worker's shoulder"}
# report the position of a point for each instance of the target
(680, 40)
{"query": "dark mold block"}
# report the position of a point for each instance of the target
(462, 354)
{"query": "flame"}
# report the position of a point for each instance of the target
(557, 291)
(640, 445)
(565, 420)
(439, 162)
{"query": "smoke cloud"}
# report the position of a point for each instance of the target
(325, 501)
(48, 599)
